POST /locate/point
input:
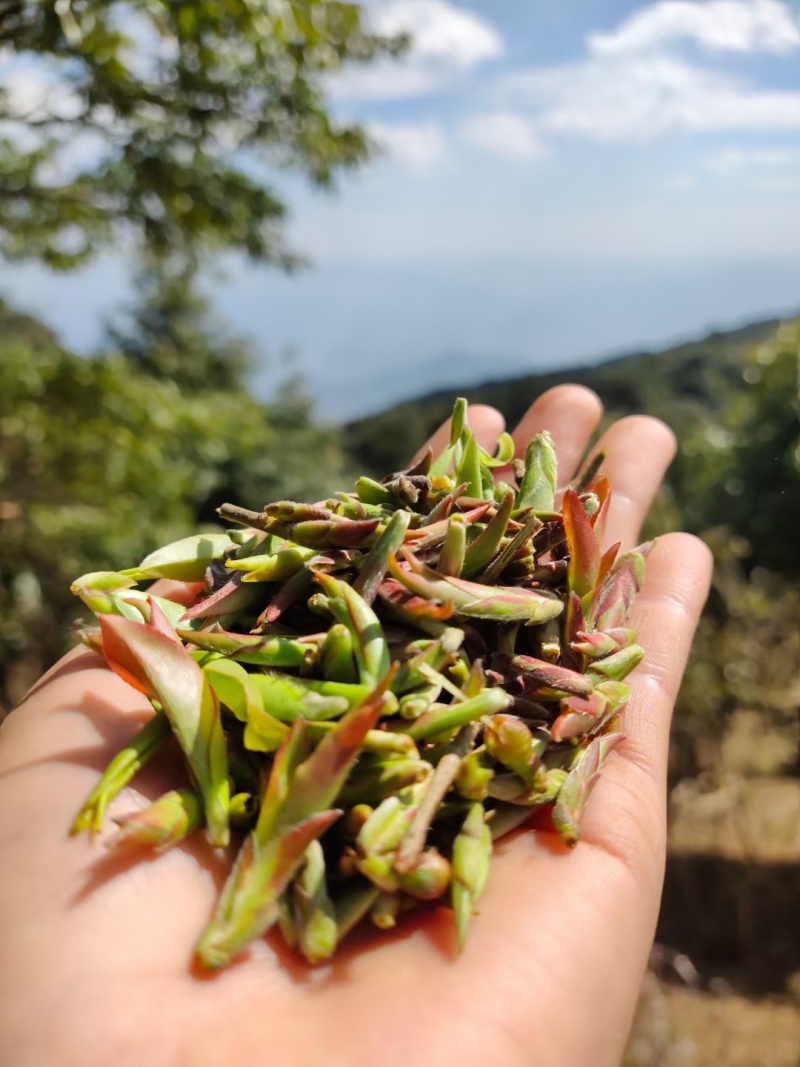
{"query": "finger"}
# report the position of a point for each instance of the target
(486, 423)
(70, 663)
(638, 451)
(570, 413)
(80, 705)
(73, 909)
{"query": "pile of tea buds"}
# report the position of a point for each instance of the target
(372, 689)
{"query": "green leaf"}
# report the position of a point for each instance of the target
(184, 561)
(315, 917)
(451, 558)
(483, 548)
(582, 778)
(538, 486)
(372, 492)
(97, 590)
(288, 698)
(162, 824)
(130, 759)
(369, 642)
(236, 689)
(250, 648)
(275, 567)
(337, 657)
(316, 783)
(373, 567)
(503, 455)
(501, 603)
(453, 716)
(250, 902)
(472, 849)
(468, 469)
(458, 421)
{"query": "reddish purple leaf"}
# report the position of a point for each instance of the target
(584, 550)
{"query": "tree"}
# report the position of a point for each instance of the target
(159, 120)
(101, 462)
(763, 483)
(171, 332)
(154, 123)
(742, 467)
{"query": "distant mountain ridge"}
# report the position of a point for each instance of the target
(680, 385)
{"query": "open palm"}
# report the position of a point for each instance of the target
(96, 947)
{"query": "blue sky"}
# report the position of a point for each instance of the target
(562, 180)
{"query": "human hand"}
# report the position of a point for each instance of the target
(96, 947)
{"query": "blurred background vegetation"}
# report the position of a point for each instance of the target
(104, 458)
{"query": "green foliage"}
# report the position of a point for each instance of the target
(157, 124)
(100, 463)
(163, 119)
(738, 483)
(759, 491)
(171, 332)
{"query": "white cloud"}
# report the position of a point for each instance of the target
(731, 160)
(764, 170)
(441, 32)
(504, 133)
(386, 80)
(637, 98)
(778, 184)
(446, 41)
(635, 84)
(419, 148)
(680, 182)
(717, 26)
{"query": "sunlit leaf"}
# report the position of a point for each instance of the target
(157, 666)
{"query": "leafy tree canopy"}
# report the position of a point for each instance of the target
(100, 462)
(761, 476)
(161, 117)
